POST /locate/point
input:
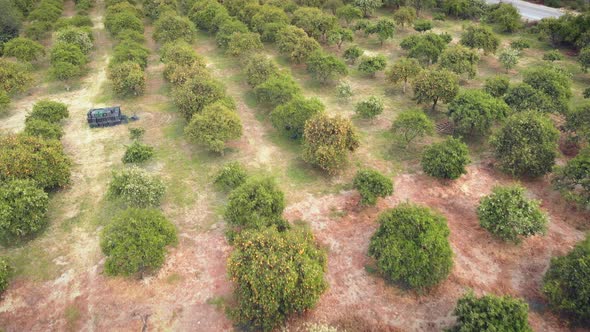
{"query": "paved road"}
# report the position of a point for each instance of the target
(530, 11)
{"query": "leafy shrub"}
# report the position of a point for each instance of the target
(412, 247)
(553, 55)
(369, 108)
(422, 25)
(460, 60)
(566, 284)
(64, 71)
(48, 110)
(410, 125)
(371, 185)
(434, 86)
(474, 112)
(138, 153)
(573, 179)
(277, 90)
(290, 118)
(23, 49)
(276, 274)
(523, 97)
(135, 187)
(526, 145)
(170, 27)
(244, 43)
(20, 158)
(4, 103)
(480, 37)
(506, 16)
(23, 209)
(553, 82)
(214, 126)
(14, 77)
(128, 50)
(327, 142)
(497, 86)
(344, 90)
(231, 176)
(121, 21)
(446, 160)
(403, 70)
(136, 133)
(128, 78)
(325, 67)
(179, 52)
(372, 64)
(135, 241)
(79, 21)
(5, 274)
(352, 53)
(491, 313)
(63, 52)
(508, 214)
(196, 93)
(131, 35)
(43, 129)
(76, 36)
(520, 44)
(259, 68)
(226, 30)
(256, 204)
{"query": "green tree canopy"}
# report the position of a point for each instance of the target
(459, 60)
(434, 86)
(573, 179)
(410, 125)
(411, 246)
(23, 49)
(135, 187)
(474, 112)
(404, 70)
(214, 126)
(371, 185)
(446, 160)
(480, 37)
(325, 67)
(290, 118)
(372, 64)
(23, 209)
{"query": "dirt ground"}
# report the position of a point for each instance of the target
(60, 285)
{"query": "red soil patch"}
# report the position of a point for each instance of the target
(481, 262)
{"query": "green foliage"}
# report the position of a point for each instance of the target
(128, 50)
(179, 52)
(315, 22)
(369, 108)
(367, 6)
(231, 176)
(526, 145)
(121, 21)
(23, 49)
(43, 129)
(371, 184)
(344, 90)
(459, 60)
(578, 121)
(27, 157)
(446, 160)
(259, 68)
(520, 44)
(372, 64)
(214, 126)
(268, 15)
(290, 118)
(136, 133)
(68, 53)
(5, 274)
(276, 274)
(327, 142)
(23, 209)
(509, 58)
(170, 27)
(48, 110)
(227, 30)
(422, 25)
(384, 28)
(573, 179)
(10, 20)
(410, 125)
(411, 246)
(480, 37)
(474, 112)
(497, 85)
(14, 77)
(128, 78)
(244, 43)
(80, 37)
(4, 103)
(352, 53)
(566, 284)
(491, 313)
(277, 90)
(506, 16)
(294, 42)
(471, 9)
(196, 93)
(256, 204)
(339, 36)
(523, 97)
(584, 58)
(434, 86)
(135, 187)
(137, 153)
(403, 70)
(553, 55)
(426, 47)
(509, 215)
(325, 67)
(135, 241)
(405, 15)
(552, 81)
(348, 13)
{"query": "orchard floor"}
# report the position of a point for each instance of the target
(60, 284)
